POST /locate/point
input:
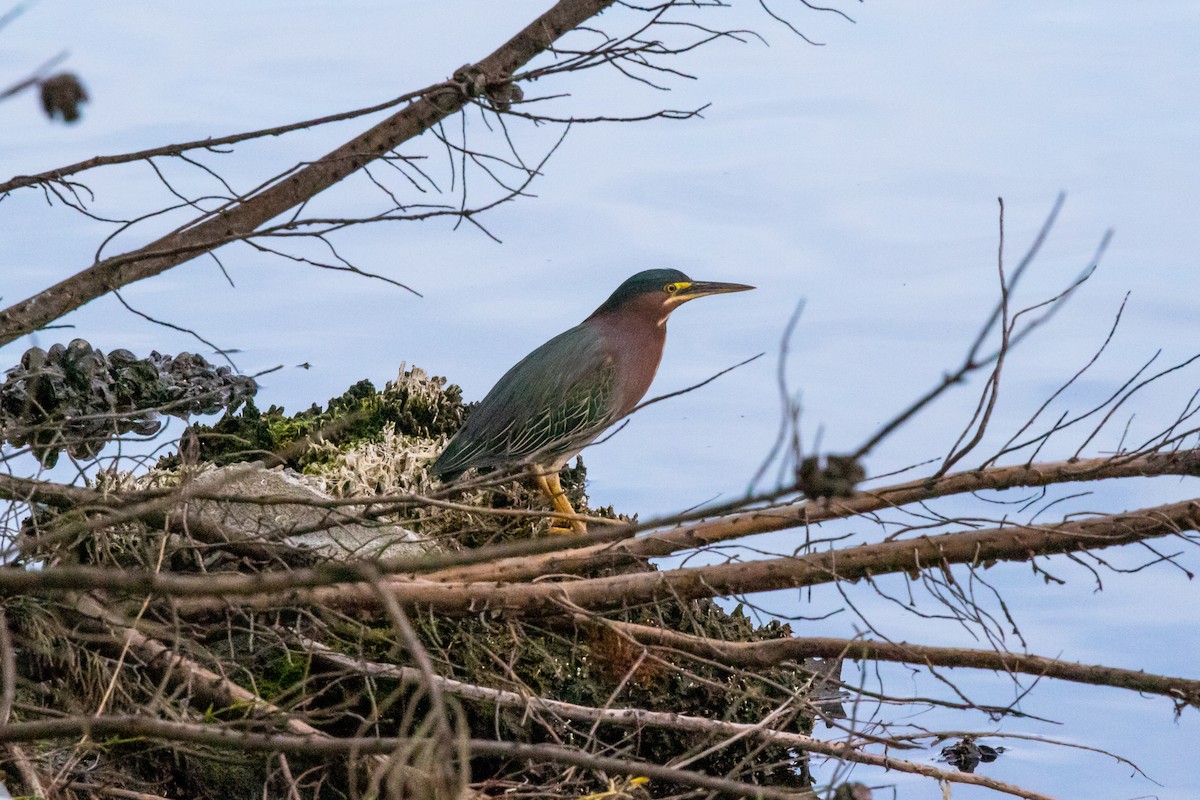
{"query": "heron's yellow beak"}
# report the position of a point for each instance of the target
(694, 289)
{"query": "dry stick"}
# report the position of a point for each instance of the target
(751, 522)
(8, 669)
(450, 759)
(58, 174)
(8, 693)
(29, 774)
(379, 505)
(973, 361)
(241, 219)
(269, 590)
(663, 543)
(639, 718)
(112, 791)
(126, 644)
(131, 725)
(531, 558)
(772, 652)
(128, 641)
(289, 780)
(56, 495)
(216, 593)
(991, 389)
(206, 689)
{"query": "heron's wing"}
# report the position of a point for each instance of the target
(551, 404)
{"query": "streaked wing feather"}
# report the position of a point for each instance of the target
(552, 403)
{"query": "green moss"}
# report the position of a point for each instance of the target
(281, 674)
(415, 404)
(222, 775)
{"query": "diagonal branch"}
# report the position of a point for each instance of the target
(57, 174)
(668, 541)
(238, 220)
(1018, 543)
(772, 652)
(204, 688)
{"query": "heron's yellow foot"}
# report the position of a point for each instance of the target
(551, 486)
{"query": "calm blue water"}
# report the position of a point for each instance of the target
(861, 176)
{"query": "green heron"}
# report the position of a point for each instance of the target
(564, 394)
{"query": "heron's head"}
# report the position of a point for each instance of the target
(657, 292)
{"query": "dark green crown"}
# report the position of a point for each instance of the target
(649, 280)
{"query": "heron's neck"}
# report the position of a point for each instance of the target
(635, 343)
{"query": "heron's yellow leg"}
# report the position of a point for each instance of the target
(551, 486)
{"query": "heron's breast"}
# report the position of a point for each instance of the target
(635, 359)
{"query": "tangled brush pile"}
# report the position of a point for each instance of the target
(319, 694)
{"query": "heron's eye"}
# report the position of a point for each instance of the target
(671, 288)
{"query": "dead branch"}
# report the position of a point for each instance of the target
(1005, 543)
(113, 791)
(240, 219)
(803, 513)
(8, 691)
(981, 548)
(129, 725)
(205, 688)
(59, 173)
(639, 718)
(772, 652)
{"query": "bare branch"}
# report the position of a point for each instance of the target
(225, 737)
(1018, 543)
(676, 538)
(213, 142)
(241, 219)
(772, 652)
(639, 718)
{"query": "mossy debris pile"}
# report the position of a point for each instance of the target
(324, 666)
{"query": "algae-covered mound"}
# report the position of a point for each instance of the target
(416, 406)
(315, 665)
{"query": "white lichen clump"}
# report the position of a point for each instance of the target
(393, 465)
